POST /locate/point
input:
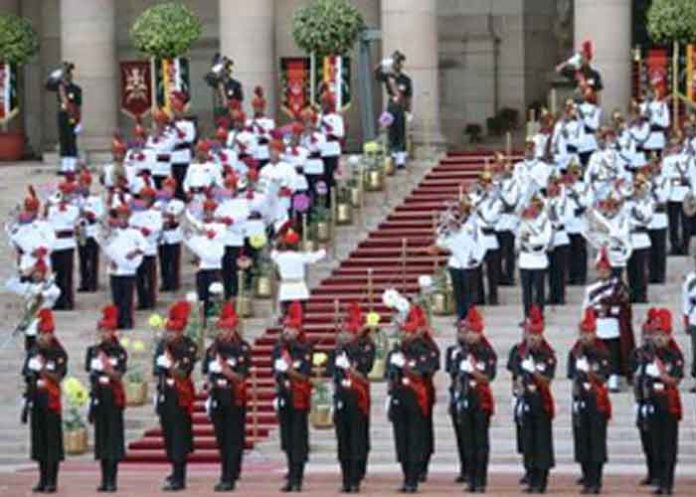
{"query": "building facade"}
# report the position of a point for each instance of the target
(468, 58)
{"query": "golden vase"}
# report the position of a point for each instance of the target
(321, 417)
(263, 289)
(75, 441)
(323, 231)
(389, 167)
(377, 371)
(344, 213)
(246, 308)
(355, 197)
(375, 181)
(136, 393)
(439, 303)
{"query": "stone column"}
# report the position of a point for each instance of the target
(608, 24)
(87, 36)
(410, 26)
(9, 6)
(246, 36)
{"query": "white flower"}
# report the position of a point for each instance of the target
(354, 161)
(389, 297)
(216, 288)
(425, 281)
(191, 297)
(402, 305)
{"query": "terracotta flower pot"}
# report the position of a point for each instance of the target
(344, 214)
(11, 145)
(320, 417)
(75, 441)
(136, 393)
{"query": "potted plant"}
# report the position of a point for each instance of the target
(327, 27)
(74, 426)
(320, 216)
(379, 336)
(672, 21)
(386, 119)
(263, 272)
(245, 306)
(320, 415)
(440, 296)
(18, 43)
(344, 206)
(134, 382)
(372, 167)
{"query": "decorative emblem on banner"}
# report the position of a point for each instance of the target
(656, 66)
(136, 88)
(333, 74)
(169, 76)
(295, 84)
(9, 103)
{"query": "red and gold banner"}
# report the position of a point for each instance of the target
(657, 64)
(9, 103)
(333, 74)
(169, 76)
(136, 88)
(691, 72)
(295, 84)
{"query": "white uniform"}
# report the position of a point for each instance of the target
(202, 175)
(297, 156)
(658, 116)
(149, 223)
(532, 174)
(562, 210)
(604, 168)
(332, 126)
(679, 171)
(292, 268)
(48, 290)
(261, 127)
(689, 298)
(92, 210)
(243, 142)
(465, 246)
(510, 196)
(208, 247)
(314, 144)
(566, 138)
(578, 200)
(172, 210)
(488, 214)
(123, 242)
(533, 250)
(660, 193)
(640, 132)
(237, 210)
(640, 212)
(158, 152)
(619, 249)
(26, 238)
(184, 135)
(63, 218)
(607, 322)
(591, 117)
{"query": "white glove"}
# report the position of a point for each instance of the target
(96, 364)
(387, 405)
(78, 129)
(214, 366)
(280, 365)
(35, 364)
(164, 362)
(342, 362)
(582, 365)
(528, 365)
(652, 370)
(232, 362)
(208, 406)
(465, 366)
(398, 360)
(409, 117)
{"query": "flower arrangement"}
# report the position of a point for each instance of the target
(18, 40)
(77, 397)
(166, 30)
(137, 354)
(258, 241)
(327, 27)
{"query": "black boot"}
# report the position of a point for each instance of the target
(41, 484)
(177, 481)
(51, 477)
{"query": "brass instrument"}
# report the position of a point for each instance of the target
(31, 307)
(600, 233)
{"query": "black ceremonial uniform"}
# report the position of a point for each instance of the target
(175, 401)
(473, 406)
(397, 107)
(352, 408)
(293, 397)
(452, 369)
(637, 362)
(44, 404)
(107, 401)
(434, 352)
(410, 408)
(227, 403)
(591, 409)
(513, 366)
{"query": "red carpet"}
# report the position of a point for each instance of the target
(409, 228)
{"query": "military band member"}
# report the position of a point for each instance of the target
(505, 229)
(588, 369)
(226, 365)
(233, 213)
(536, 367)
(313, 140)
(474, 367)
(679, 170)
(261, 125)
(44, 368)
(106, 364)
(663, 369)
(590, 115)
(174, 360)
(159, 147)
(169, 249)
(532, 241)
(688, 309)
(31, 237)
(566, 137)
(462, 239)
(184, 131)
(639, 130)
(531, 174)
(579, 69)
(69, 114)
(39, 291)
(330, 123)
(202, 174)
(63, 216)
(91, 212)
(124, 249)
(579, 200)
(400, 91)
(614, 218)
(488, 207)
(608, 297)
(640, 212)
(348, 366)
(241, 139)
(292, 366)
(409, 407)
(657, 228)
(147, 219)
(559, 209)
(657, 113)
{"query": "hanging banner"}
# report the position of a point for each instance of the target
(295, 82)
(136, 88)
(333, 74)
(9, 102)
(657, 64)
(168, 76)
(691, 72)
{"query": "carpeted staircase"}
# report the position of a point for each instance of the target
(406, 230)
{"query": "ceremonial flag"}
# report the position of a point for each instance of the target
(333, 74)
(136, 88)
(691, 72)
(9, 102)
(657, 65)
(295, 84)
(168, 76)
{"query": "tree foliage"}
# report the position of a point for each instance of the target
(18, 39)
(672, 20)
(166, 31)
(327, 27)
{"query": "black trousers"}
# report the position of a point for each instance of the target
(585, 157)
(109, 472)
(170, 266)
(330, 166)
(577, 262)
(492, 261)
(664, 438)
(204, 278)
(459, 436)
(474, 425)
(558, 263)
(88, 255)
(464, 284)
(678, 228)
(532, 288)
(506, 240)
(538, 447)
(657, 263)
(294, 441)
(637, 269)
(179, 174)
(646, 446)
(229, 271)
(229, 423)
(67, 138)
(146, 282)
(614, 346)
(62, 262)
(122, 289)
(48, 474)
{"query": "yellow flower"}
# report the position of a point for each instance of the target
(319, 358)
(80, 397)
(125, 342)
(71, 385)
(373, 318)
(138, 346)
(371, 147)
(257, 241)
(155, 321)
